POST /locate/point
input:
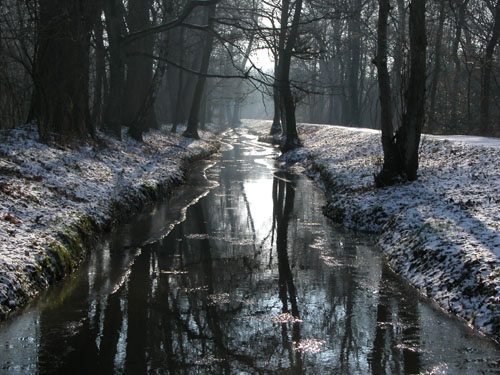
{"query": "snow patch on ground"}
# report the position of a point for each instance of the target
(51, 198)
(442, 232)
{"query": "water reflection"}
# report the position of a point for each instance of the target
(283, 199)
(254, 281)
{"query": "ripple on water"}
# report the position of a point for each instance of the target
(205, 361)
(173, 272)
(219, 298)
(412, 347)
(203, 288)
(275, 319)
(311, 224)
(330, 261)
(319, 243)
(241, 241)
(197, 236)
(309, 346)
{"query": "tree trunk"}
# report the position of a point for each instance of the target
(276, 126)
(192, 126)
(291, 140)
(203, 112)
(456, 60)
(437, 64)
(236, 113)
(486, 73)
(100, 62)
(61, 70)
(113, 115)
(138, 110)
(175, 76)
(176, 119)
(355, 50)
(414, 117)
(236, 120)
(392, 161)
(399, 56)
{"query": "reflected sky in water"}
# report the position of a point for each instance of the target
(251, 278)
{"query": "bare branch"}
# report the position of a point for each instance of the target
(190, 6)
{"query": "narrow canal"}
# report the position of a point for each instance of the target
(238, 273)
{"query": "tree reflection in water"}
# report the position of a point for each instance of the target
(254, 281)
(283, 199)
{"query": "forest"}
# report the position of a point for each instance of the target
(405, 67)
(340, 201)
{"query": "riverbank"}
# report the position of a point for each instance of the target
(441, 232)
(55, 201)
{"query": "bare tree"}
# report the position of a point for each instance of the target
(61, 70)
(194, 115)
(437, 61)
(17, 48)
(414, 116)
(487, 68)
(115, 28)
(286, 45)
(401, 147)
(139, 113)
(354, 66)
(392, 163)
(100, 82)
(460, 20)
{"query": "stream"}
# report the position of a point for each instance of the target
(238, 272)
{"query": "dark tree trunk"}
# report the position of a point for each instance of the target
(486, 73)
(236, 119)
(203, 112)
(236, 113)
(278, 67)
(437, 64)
(355, 50)
(176, 118)
(192, 126)
(414, 117)
(61, 70)
(276, 126)
(100, 78)
(456, 61)
(282, 115)
(398, 80)
(178, 100)
(392, 161)
(138, 110)
(113, 115)
(209, 111)
(291, 140)
(401, 149)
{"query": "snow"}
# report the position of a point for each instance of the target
(442, 232)
(51, 194)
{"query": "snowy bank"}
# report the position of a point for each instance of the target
(54, 201)
(441, 232)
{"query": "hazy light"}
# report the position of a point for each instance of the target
(263, 59)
